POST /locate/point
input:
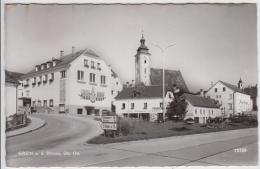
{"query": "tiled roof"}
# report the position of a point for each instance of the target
(141, 92)
(171, 77)
(200, 101)
(232, 87)
(62, 62)
(12, 77)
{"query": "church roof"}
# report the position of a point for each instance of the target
(200, 101)
(141, 92)
(171, 77)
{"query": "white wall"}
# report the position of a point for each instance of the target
(228, 97)
(243, 102)
(10, 99)
(47, 91)
(76, 86)
(203, 113)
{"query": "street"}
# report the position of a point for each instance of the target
(62, 143)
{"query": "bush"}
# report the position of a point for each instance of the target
(124, 126)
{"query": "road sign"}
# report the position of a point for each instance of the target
(109, 126)
(109, 119)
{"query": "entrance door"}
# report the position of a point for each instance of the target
(90, 110)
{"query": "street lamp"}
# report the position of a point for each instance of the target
(163, 50)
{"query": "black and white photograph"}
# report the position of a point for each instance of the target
(95, 84)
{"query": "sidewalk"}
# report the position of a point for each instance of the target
(36, 123)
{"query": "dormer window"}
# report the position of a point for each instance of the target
(37, 68)
(42, 66)
(48, 65)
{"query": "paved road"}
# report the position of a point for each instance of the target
(222, 148)
(60, 133)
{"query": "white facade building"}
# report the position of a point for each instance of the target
(78, 83)
(11, 92)
(144, 102)
(231, 98)
(201, 108)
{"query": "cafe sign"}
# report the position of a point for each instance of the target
(92, 95)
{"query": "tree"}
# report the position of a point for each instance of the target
(177, 108)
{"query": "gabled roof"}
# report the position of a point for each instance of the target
(232, 87)
(200, 101)
(62, 62)
(171, 77)
(141, 92)
(12, 77)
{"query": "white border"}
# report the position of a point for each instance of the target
(3, 153)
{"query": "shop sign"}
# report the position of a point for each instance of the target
(92, 95)
(109, 119)
(109, 126)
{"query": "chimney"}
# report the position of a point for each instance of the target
(73, 49)
(61, 53)
(201, 92)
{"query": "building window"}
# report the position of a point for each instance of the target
(224, 89)
(145, 105)
(112, 92)
(161, 104)
(80, 75)
(219, 96)
(40, 80)
(103, 79)
(230, 106)
(45, 78)
(63, 74)
(51, 102)
(212, 112)
(92, 78)
(200, 111)
(79, 111)
(92, 65)
(132, 105)
(34, 81)
(98, 66)
(39, 103)
(86, 63)
(52, 77)
(123, 106)
(144, 61)
(45, 103)
(216, 90)
(195, 111)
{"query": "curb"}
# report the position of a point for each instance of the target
(31, 130)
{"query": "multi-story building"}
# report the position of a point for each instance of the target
(79, 83)
(11, 92)
(201, 108)
(233, 99)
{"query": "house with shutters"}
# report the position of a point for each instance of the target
(79, 83)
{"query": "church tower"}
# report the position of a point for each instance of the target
(142, 64)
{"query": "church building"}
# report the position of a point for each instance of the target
(145, 99)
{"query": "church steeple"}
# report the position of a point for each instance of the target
(240, 83)
(142, 64)
(142, 47)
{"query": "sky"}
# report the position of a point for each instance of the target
(212, 41)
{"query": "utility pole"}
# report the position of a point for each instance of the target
(163, 50)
